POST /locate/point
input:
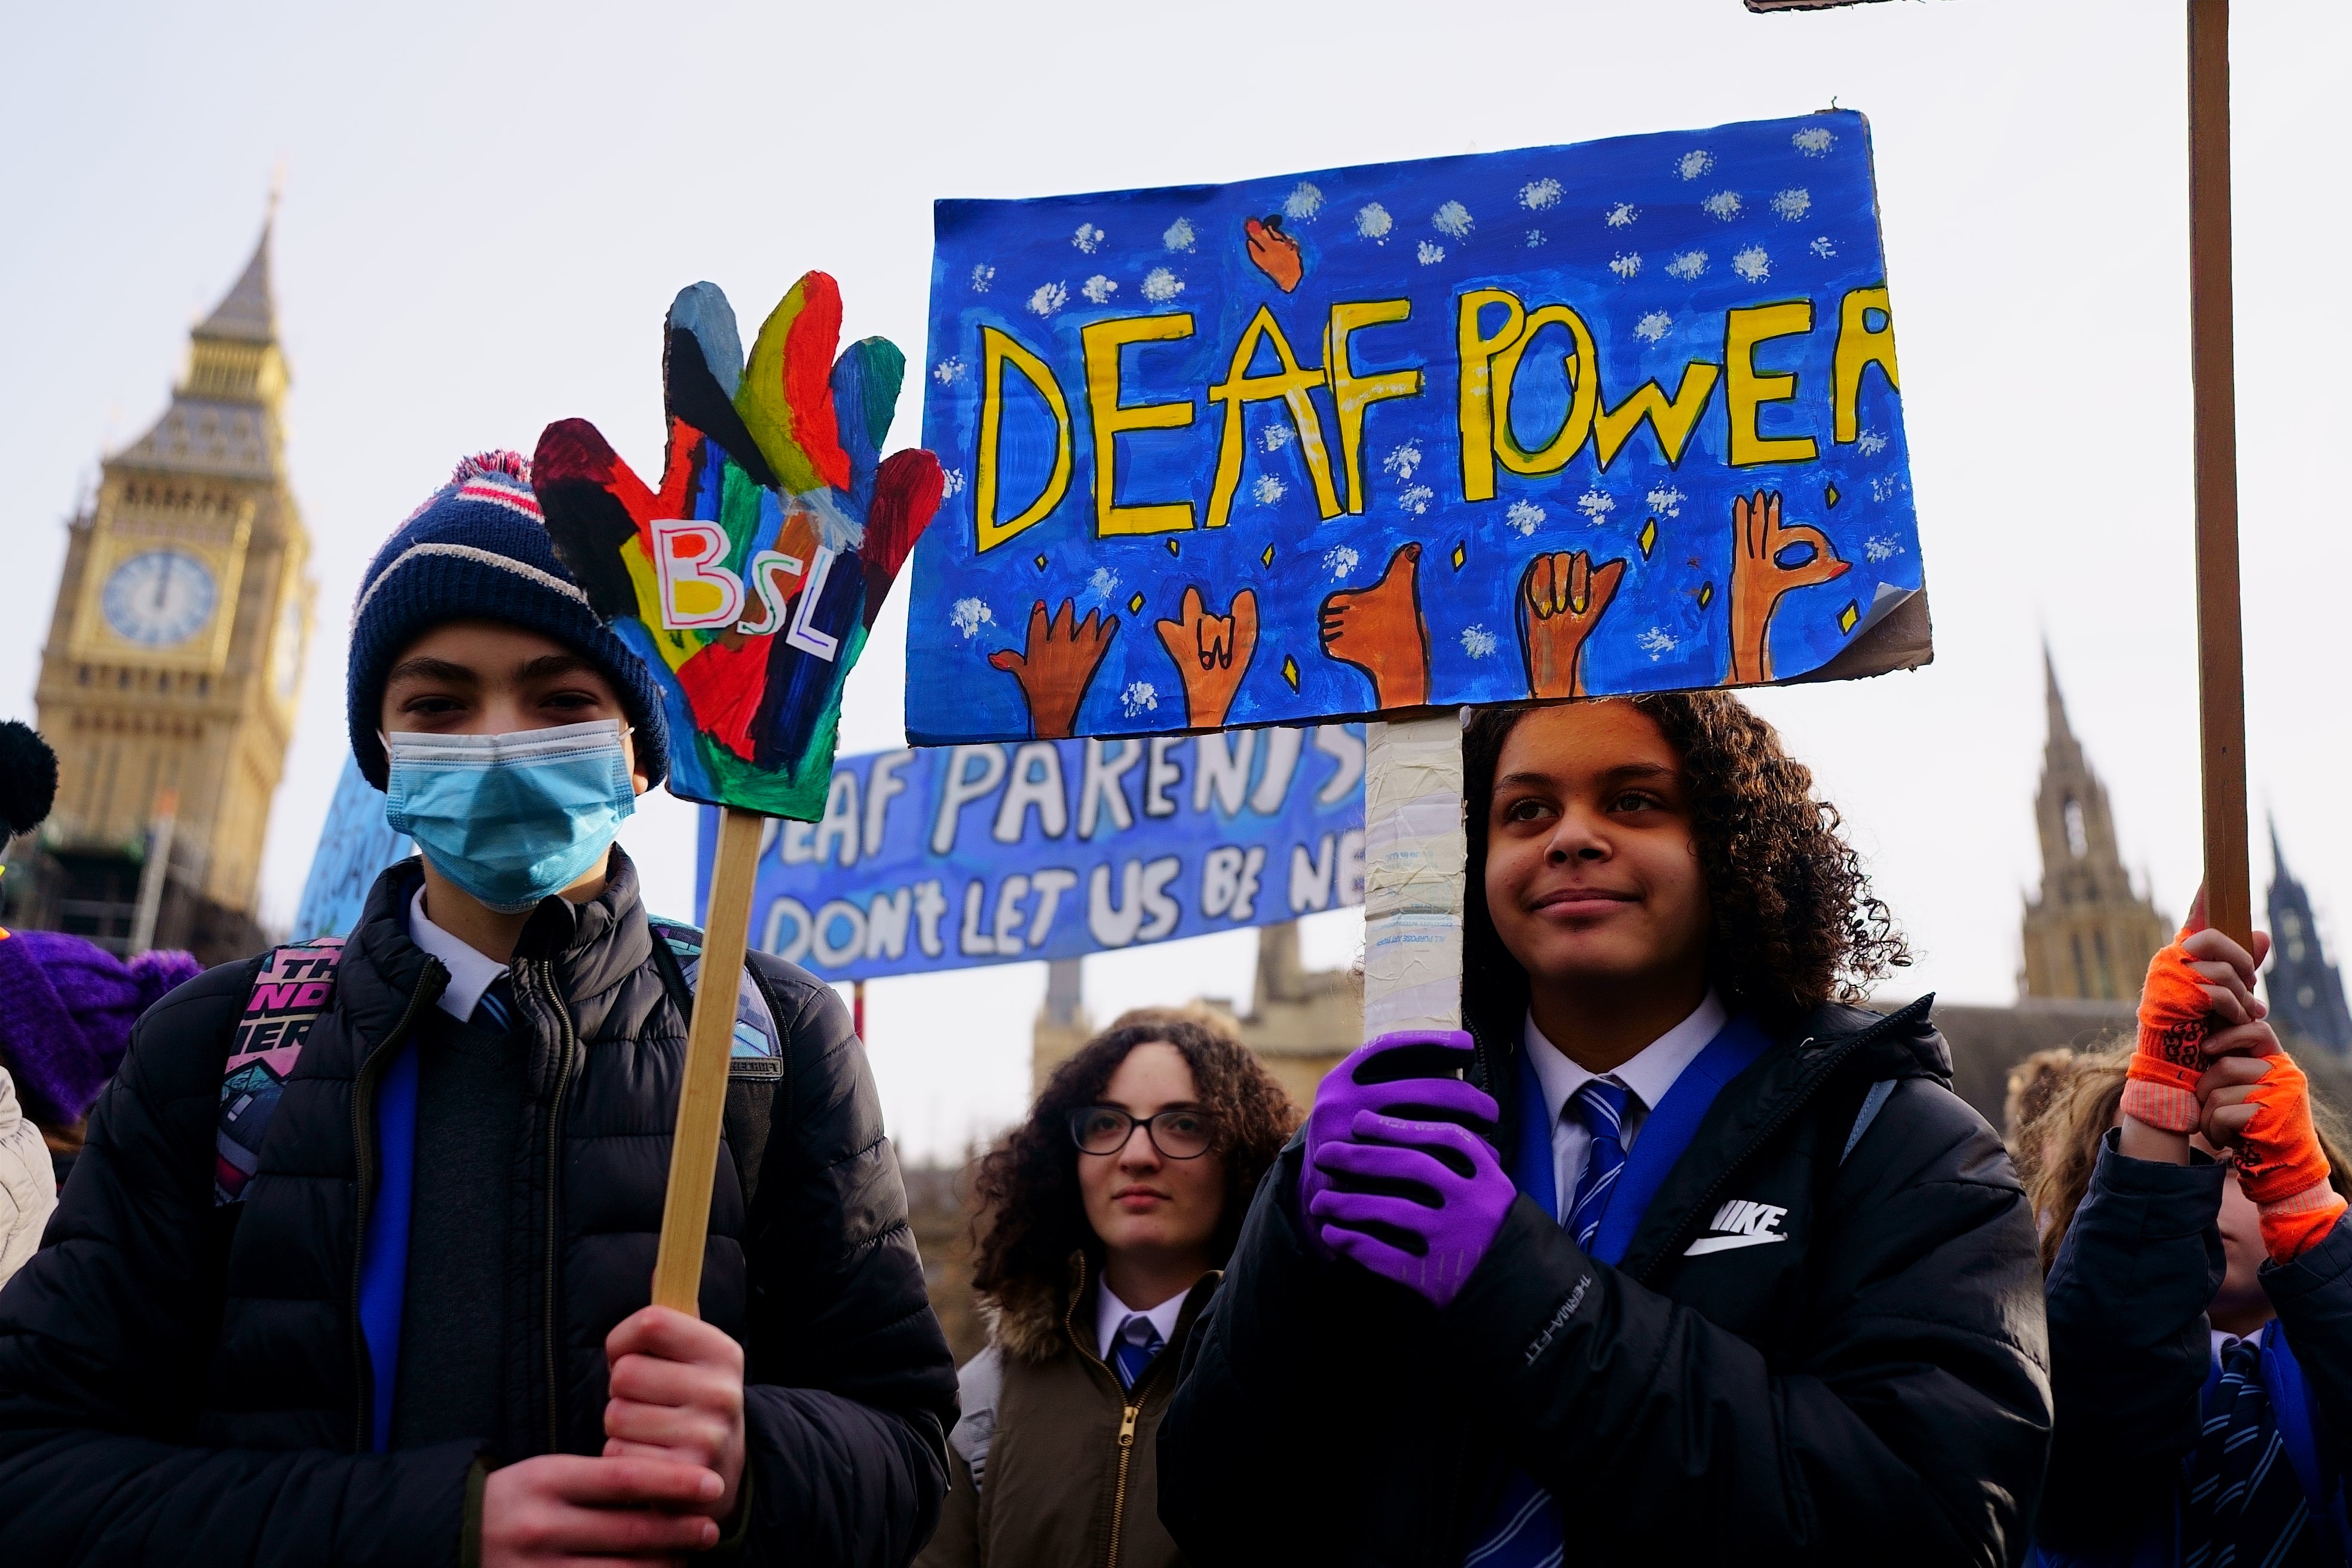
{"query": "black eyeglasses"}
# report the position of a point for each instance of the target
(1105, 1130)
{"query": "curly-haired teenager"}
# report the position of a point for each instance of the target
(1701, 1263)
(2200, 1300)
(1103, 1219)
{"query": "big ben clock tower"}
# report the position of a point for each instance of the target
(175, 653)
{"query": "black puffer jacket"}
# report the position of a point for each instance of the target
(1873, 1391)
(181, 1383)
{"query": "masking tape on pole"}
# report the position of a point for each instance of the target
(1415, 860)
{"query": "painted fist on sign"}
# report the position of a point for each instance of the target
(1561, 599)
(748, 580)
(1056, 664)
(1212, 654)
(1767, 561)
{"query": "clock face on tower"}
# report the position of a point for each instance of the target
(159, 598)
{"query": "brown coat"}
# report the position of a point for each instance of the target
(1070, 1469)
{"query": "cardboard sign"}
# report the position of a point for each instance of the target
(748, 581)
(356, 845)
(940, 859)
(1621, 416)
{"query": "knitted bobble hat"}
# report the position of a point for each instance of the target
(478, 551)
(66, 1010)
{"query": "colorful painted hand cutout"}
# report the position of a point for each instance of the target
(1561, 599)
(750, 579)
(1769, 561)
(1056, 664)
(1212, 654)
(1380, 630)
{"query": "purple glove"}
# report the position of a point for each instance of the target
(1373, 1079)
(1428, 1249)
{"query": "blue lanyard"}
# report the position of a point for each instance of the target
(1672, 1122)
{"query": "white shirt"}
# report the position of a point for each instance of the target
(1646, 1075)
(1112, 1316)
(470, 972)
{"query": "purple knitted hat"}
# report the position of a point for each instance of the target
(66, 1010)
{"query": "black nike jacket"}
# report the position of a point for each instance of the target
(1873, 1391)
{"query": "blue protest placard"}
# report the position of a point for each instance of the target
(947, 858)
(1611, 417)
(355, 845)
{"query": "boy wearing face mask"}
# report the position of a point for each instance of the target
(420, 1333)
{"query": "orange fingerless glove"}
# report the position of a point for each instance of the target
(2280, 1165)
(2160, 1088)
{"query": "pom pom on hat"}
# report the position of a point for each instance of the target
(28, 779)
(66, 1010)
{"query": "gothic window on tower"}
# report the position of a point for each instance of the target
(2107, 977)
(2078, 841)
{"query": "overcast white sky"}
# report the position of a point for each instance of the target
(488, 208)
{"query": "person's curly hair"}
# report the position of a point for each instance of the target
(1030, 1216)
(1793, 921)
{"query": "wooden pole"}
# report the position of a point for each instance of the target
(2220, 648)
(709, 1041)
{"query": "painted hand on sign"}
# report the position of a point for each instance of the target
(1769, 561)
(1212, 654)
(1273, 252)
(1379, 630)
(750, 579)
(1054, 668)
(1561, 599)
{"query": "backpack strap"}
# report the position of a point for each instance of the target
(295, 984)
(757, 1059)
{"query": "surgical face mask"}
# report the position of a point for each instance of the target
(514, 818)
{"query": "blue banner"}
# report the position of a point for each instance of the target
(1563, 421)
(355, 844)
(947, 858)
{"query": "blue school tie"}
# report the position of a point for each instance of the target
(1601, 1106)
(496, 1011)
(1525, 1530)
(1132, 1349)
(2244, 1508)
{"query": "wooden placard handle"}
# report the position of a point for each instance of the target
(2221, 641)
(709, 1041)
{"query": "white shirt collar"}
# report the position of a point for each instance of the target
(1649, 1073)
(1111, 1314)
(470, 972)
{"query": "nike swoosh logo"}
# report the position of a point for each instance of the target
(1706, 1244)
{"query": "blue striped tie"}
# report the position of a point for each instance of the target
(1525, 1530)
(2244, 1507)
(1601, 1106)
(496, 1010)
(1131, 1352)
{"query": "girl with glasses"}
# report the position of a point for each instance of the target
(1103, 1220)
